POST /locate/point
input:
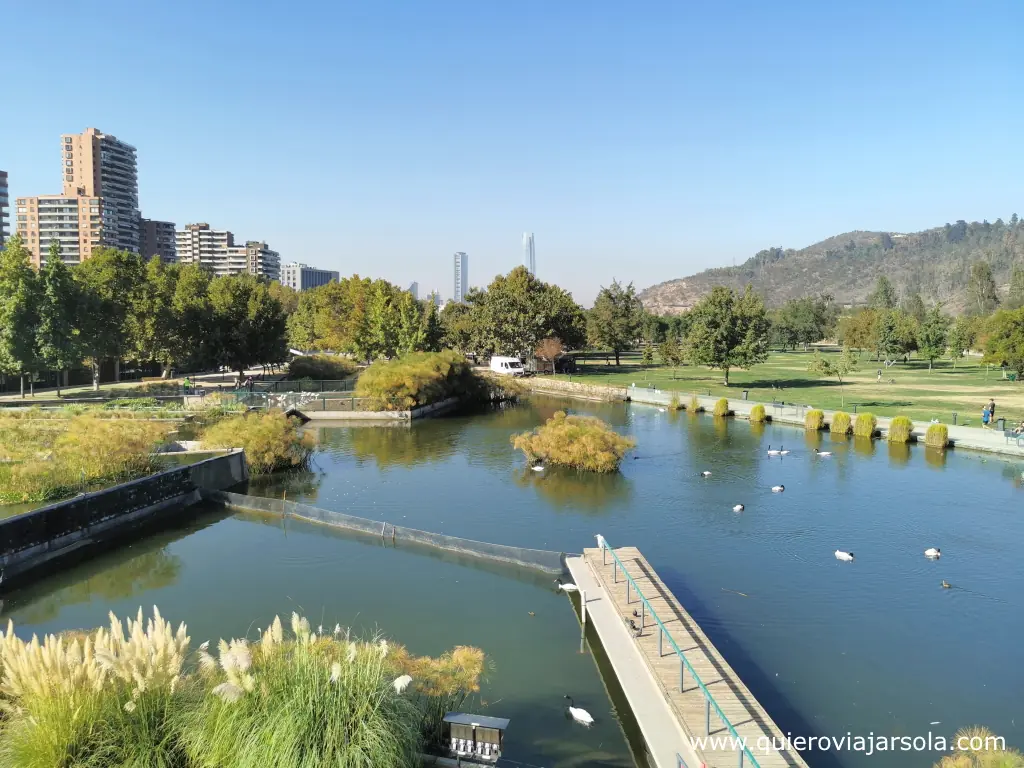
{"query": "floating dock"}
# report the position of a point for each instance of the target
(692, 708)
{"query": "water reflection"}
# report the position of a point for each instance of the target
(865, 446)
(567, 489)
(390, 446)
(288, 484)
(935, 457)
(899, 454)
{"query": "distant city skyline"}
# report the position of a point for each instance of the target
(529, 254)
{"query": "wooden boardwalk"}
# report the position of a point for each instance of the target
(747, 716)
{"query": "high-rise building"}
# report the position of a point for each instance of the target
(4, 204)
(157, 238)
(302, 278)
(96, 164)
(414, 289)
(216, 250)
(461, 276)
(77, 223)
(529, 255)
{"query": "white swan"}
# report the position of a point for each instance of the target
(783, 452)
(845, 556)
(738, 508)
(778, 488)
(662, 409)
(537, 467)
(578, 714)
(601, 543)
(822, 453)
(933, 553)
(705, 473)
(776, 452)
(566, 587)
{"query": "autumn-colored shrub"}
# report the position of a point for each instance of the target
(417, 379)
(865, 426)
(272, 440)
(721, 407)
(758, 415)
(581, 442)
(841, 423)
(814, 420)
(321, 367)
(695, 406)
(900, 429)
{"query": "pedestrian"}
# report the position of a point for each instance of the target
(250, 383)
(985, 415)
(187, 385)
(992, 411)
(879, 379)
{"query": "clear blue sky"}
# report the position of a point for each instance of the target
(638, 141)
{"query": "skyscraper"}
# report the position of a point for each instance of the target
(96, 164)
(414, 289)
(3, 206)
(529, 255)
(461, 276)
(77, 223)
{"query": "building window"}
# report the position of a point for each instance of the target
(69, 177)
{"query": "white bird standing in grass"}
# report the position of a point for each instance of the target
(738, 508)
(564, 587)
(844, 556)
(401, 683)
(822, 453)
(933, 553)
(578, 714)
(778, 488)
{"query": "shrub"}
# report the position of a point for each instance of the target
(321, 367)
(937, 436)
(417, 379)
(675, 404)
(814, 420)
(695, 406)
(900, 429)
(272, 440)
(758, 415)
(582, 442)
(841, 423)
(131, 403)
(865, 426)
(722, 407)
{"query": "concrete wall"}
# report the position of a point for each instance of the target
(44, 535)
(574, 389)
(434, 409)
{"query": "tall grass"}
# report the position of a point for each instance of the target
(841, 423)
(937, 436)
(695, 406)
(272, 440)
(814, 420)
(865, 425)
(721, 407)
(675, 404)
(321, 367)
(417, 379)
(980, 748)
(581, 442)
(900, 429)
(758, 415)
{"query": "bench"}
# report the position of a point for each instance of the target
(1009, 434)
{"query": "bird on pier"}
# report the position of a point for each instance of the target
(564, 587)
(601, 543)
(933, 553)
(636, 613)
(578, 714)
(844, 556)
(738, 508)
(636, 630)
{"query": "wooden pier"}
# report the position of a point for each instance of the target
(609, 609)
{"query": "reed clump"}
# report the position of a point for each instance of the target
(841, 423)
(321, 367)
(814, 420)
(272, 440)
(721, 407)
(758, 415)
(418, 379)
(695, 406)
(900, 429)
(675, 403)
(937, 436)
(581, 442)
(866, 425)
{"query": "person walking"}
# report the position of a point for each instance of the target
(187, 384)
(879, 379)
(985, 416)
(992, 411)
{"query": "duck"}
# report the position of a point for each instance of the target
(662, 409)
(738, 508)
(537, 467)
(579, 714)
(933, 553)
(946, 584)
(778, 488)
(564, 587)
(822, 453)
(845, 556)
(776, 452)
(705, 473)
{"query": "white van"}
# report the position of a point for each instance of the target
(507, 366)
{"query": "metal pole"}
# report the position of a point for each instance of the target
(707, 715)
(660, 633)
(643, 614)
(604, 550)
(682, 675)
(583, 617)
(741, 758)
(615, 572)
(627, 591)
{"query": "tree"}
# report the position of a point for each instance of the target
(433, 331)
(805, 321)
(1015, 296)
(894, 335)
(670, 353)
(932, 335)
(981, 289)
(961, 338)
(1005, 343)
(18, 317)
(884, 296)
(914, 306)
(193, 317)
(57, 334)
(837, 368)
(457, 324)
(249, 323)
(410, 324)
(728, 331)
(616, 319)
(654, 328)
(549, 350)
(151, 318)
(647, 356)
(857, 330)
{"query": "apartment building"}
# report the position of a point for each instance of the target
(77, 223)
(96, 164)
(158, 238)
(301, 277)
(4, 207)
(216, 250)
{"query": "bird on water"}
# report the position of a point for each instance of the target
(578, 714)
(564, 587)
(844, 556)
(933, 553)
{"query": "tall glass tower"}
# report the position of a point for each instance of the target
(461, 276)
(529, 255)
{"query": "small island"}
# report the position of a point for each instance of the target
(581, 442)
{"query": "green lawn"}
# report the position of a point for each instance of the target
(915, 391)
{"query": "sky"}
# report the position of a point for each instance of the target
(637, 141)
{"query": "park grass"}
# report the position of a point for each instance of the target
(721, 407)
(840, 423)
(937, 436)
(917, 392)
(580, 442)
(814, 420)
(321, 367)
(865, 426)
(272, 440)
(900, 429)
(757, 414)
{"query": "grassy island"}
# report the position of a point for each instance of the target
(581, 442)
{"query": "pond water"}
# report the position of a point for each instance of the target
(829, 648)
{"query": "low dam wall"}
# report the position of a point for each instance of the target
(538, 559)
(75, 526)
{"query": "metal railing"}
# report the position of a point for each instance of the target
(684, 664)
(306, 385)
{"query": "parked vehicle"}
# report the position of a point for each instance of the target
(507, 366)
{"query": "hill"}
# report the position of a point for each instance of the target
(935, 263)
